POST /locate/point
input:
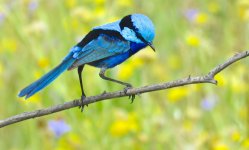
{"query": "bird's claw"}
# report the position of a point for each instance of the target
(81, 107)
(132, 96)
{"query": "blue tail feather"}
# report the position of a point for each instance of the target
(46, 79)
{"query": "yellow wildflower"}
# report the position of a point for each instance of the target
(213, 7)
(245, 143)
(124, 125)
(113, 18)
(220, 146)
(221, 79)
(243, 9)
(37, 74)
(43, 62)
(201, 18)
(70, 142)
(177, 94)
(119, 128)
(125, 71)
(99, 12)
(1, 68)
(99, 2)
(75, 24)
(35, 98)
(124, 3)
(188, 125)
(9, 44)
(193, 40)
(238, 85)
(137, 62)
(70, 3)
(235, 136)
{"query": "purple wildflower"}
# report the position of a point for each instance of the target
(191, 14)
(33, 6)
(209, 102)
(2, 17)
(58, 127)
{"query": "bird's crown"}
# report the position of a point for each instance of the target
(137, 28)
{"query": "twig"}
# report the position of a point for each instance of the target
(209, 78)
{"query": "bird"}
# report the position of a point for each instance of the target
(104, 47)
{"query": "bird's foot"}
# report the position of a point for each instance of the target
(81, 107)
(132, 96)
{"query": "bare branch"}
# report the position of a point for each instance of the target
(209, 78)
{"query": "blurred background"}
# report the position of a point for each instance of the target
(192, 37)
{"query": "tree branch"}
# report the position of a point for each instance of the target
(209, 78)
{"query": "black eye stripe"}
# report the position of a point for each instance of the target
(141, 38)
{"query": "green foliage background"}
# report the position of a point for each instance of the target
(191, 38)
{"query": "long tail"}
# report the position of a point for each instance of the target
(46, 79)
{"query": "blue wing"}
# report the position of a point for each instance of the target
(99, 48)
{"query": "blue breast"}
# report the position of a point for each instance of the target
(113, 61)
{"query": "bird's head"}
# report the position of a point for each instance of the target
(138, 28)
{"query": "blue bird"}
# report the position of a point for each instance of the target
(104, 47)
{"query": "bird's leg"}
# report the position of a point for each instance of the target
(128, 85)
(83, 95)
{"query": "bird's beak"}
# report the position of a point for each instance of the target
(152, 46)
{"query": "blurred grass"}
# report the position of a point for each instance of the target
(191, 38)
